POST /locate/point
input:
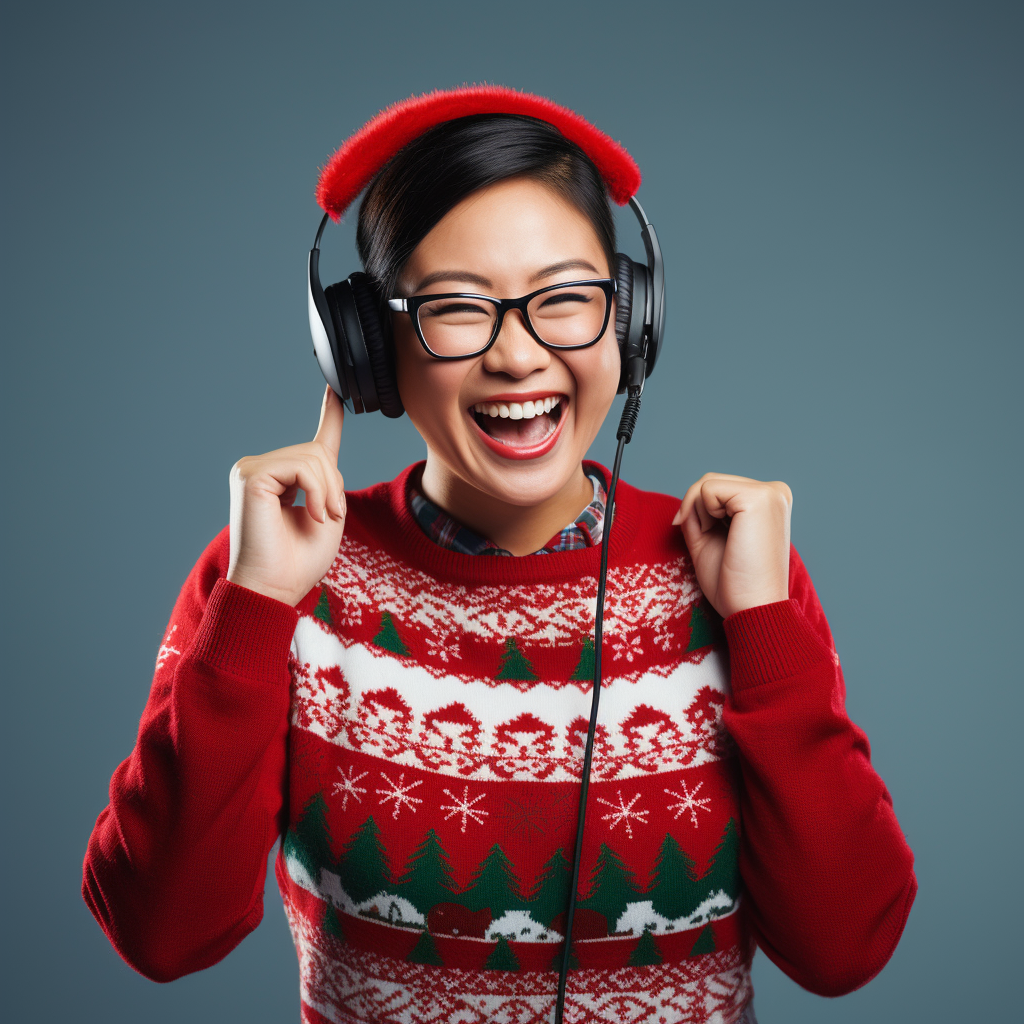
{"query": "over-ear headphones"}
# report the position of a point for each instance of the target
(353, 345)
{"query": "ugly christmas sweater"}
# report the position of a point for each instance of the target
(414, 731)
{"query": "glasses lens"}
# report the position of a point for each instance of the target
(457, 326)
(573, 315)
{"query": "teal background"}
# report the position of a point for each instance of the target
(837, 188)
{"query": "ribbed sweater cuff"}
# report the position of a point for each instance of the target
(771, 642)
(245, 634)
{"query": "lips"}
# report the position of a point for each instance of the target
(520, 426)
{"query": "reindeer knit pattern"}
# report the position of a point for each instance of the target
(435, 706)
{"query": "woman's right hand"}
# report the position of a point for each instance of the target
(278, 548)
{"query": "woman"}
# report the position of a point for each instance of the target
(398, 680)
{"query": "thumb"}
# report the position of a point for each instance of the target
(332, 416)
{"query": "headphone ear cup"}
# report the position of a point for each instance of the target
(623, 297)
(632, 279)
(379, 353)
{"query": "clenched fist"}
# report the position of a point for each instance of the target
(737, 533)
(277, 548)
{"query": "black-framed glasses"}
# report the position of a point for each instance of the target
(459, 325)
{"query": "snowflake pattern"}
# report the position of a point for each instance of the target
(623, 812)
(444, 646)
(689, 802)
(399, 792)
(627, 647)
(166, 650)
(464, 806)
(665, 637)
(348, 786)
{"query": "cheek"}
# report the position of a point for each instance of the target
(598, 377)
(429, 388)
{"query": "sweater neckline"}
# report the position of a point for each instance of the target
(390, 523)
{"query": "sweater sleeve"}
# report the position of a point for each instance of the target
(175, 866)
(828, 874)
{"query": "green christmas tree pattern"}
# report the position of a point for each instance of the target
(676, 892)
(364, 865)
(428, 881)
(646, 952)
(612, 886)
(323, 608)
(388, 638)
(724, 873)
(556, 960)
(425, 951)
(552, 893)
(494, 886)
(705, 942)
(332, 923)
(705, 627)
(502, 958)
(514, 664)
(584, 671)
(309, 840)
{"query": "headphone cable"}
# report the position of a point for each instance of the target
(624, 435)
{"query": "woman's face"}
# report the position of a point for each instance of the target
(507, 240)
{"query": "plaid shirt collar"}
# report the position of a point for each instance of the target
(449, 533)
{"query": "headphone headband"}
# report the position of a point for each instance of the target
(362, 155)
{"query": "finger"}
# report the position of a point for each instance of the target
(336, 504)
(688, 499)
(714, 494)
(341, 496)
(334, 489)
(698, 543)
(308, 478)
(332, 417)
(332, 480)
(330, 483)
(706, 520)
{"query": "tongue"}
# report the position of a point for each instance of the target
(517, 433)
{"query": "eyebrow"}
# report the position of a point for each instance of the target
(469, 277)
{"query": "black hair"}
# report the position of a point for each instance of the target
(437, 170)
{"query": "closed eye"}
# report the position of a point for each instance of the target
(442, 308)
(562, 304)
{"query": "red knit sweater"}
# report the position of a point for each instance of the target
(414, 730)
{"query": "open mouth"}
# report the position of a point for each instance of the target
(520, 429)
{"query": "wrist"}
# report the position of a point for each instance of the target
(755, 598)
(240, 579)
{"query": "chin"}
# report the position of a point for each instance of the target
(526, 482)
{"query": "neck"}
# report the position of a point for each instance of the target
(520, 529)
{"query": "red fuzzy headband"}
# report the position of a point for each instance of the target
(353, 166)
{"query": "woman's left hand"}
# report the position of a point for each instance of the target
(737, 532)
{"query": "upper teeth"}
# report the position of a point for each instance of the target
(518, 410)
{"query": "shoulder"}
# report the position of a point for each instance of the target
(382, 503)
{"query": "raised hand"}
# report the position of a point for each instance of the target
(737, 533)
(278, 548)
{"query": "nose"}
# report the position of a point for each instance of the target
(515, 352)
